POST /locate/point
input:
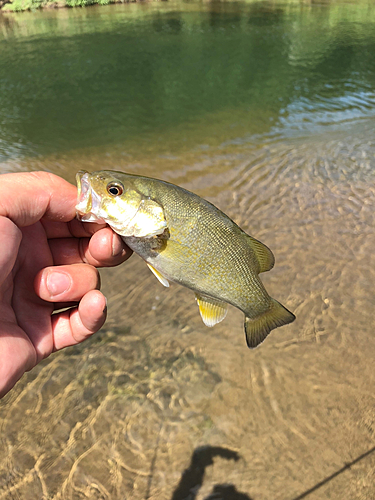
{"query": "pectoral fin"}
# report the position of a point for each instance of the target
(159, 276)
(212, 311)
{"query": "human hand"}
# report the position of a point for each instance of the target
(48, 261)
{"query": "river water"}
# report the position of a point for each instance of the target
(267, 109)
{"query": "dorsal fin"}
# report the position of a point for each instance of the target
(264, 255)
(212, 311)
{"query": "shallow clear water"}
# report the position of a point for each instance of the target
(268, 110)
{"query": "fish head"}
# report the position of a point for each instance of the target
(110, 197)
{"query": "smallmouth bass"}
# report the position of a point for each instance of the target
(187, 240)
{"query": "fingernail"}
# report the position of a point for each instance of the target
(58, 283)
(116, 245)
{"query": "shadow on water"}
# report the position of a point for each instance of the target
(192, 478)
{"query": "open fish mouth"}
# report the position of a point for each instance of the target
(88, 203)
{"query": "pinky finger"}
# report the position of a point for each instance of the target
(75, 325)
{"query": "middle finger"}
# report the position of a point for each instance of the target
(66, 283)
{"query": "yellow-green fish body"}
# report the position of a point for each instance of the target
(187, 240)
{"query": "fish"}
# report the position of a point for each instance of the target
(185, 239)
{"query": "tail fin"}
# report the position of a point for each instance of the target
(258, 328)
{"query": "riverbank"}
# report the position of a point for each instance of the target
(32, 5)
(23, 5)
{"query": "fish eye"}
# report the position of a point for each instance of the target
(115, 188)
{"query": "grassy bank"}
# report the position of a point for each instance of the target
(22, 5)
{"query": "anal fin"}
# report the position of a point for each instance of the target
(212, 311)
(158, 274)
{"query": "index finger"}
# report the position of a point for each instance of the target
(104, 249)
(73, 228)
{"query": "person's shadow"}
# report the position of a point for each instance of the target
(192, 477)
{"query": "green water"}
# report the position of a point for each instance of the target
(134, 75)
(267, 109)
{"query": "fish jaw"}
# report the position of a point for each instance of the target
(88, 205)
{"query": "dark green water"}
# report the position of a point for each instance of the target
(132, 76)
(267, 109)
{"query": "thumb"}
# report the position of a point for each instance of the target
(28, 196)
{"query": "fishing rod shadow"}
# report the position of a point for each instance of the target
(192, 477)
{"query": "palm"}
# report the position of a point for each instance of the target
(32, 314)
